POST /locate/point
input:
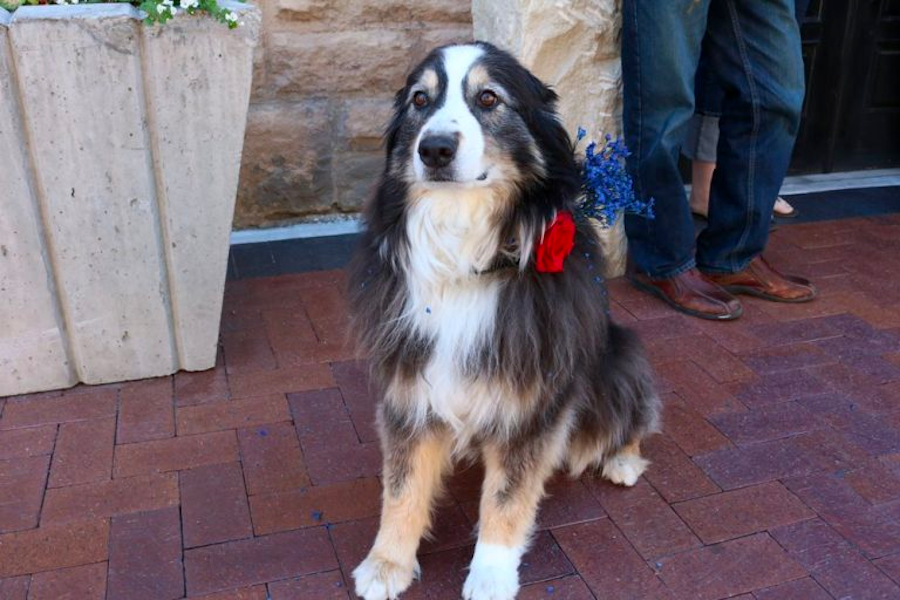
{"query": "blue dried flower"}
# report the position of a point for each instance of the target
(607, 186)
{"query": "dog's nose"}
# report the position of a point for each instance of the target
(437, 150)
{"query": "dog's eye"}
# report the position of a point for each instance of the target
(420, 99)
(487, 99)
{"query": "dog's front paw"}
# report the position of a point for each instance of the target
(491, 584)
(624, 469)
(378, 578)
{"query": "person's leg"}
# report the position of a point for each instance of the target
(754, 50)
(701, 178)
(661, 44)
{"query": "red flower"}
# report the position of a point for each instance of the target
(557, 244)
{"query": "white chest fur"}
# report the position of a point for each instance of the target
(451, 237)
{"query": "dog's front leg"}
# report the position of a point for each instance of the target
(513, 487)
(413, 466)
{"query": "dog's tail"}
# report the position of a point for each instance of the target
(630, 383)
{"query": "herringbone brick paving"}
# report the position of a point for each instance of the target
(777, 475)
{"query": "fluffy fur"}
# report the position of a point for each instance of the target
(474, 352)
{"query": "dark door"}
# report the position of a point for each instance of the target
(851, 116)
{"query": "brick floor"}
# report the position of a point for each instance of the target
(777, 475)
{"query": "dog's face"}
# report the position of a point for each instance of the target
(469, 116)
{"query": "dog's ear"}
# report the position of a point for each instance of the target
(393, 127)
(543, 92)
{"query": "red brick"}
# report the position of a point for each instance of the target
(767, 423)
(568, 501)
(78, 407)
(324, 303)
(310, 376)
(201, 387)
(247, 350)
(740, 512)
(319, 412)
(22, 482)
(115, 497)
(807, 330)
(232, 415)
(781, 387)
(352, 541)
(672, 326)
(567, 588)
(799, 455)
(257, 560)
(146, 411)
(799, 589)
(672, 472)
(87, 582)
(33, 441)
(291, 334)
(848, 513)
(313, 506)
(786, 358)
(53, 547)
(14, 588)
(721, 571)
(834, 563)
(272, 459)
(452, 527)
(464, 484)
(352, 379)
(84, 452)
(644, 517)
(145, 556)
(214, 505)
(874, 482)
(544, 560)
(175, 454)
(257, 592)
(620, 315)
(603, 556)
(890, 566)
(699, 391)
(687, 428)
(321, 586)
(340, 457)
(335, 341)
(443, 574)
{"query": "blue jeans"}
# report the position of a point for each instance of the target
(752, 47)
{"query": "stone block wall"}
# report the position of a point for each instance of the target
(325, 74)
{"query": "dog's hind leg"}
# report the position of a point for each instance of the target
(625, 466)
(513, 487)
(413, 468)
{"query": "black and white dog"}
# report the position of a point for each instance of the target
(475, 351)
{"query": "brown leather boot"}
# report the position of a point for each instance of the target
(761, 280)
(693, 294)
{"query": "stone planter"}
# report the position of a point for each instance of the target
(121, 145)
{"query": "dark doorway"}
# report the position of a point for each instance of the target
(851, 117)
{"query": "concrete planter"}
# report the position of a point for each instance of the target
(121, 145)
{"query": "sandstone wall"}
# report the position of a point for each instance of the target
(325, 75)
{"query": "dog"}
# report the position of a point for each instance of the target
(476, 353)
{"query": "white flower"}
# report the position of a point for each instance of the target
(189, 4)
(62, 2)
(161, 8)
(231, 17)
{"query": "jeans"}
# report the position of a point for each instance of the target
(752, 47)
(703, 130)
